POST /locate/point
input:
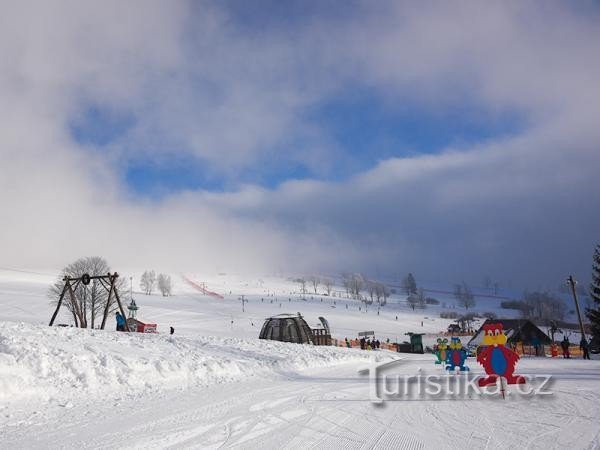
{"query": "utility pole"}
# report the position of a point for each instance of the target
(244, 301)
(572, 282)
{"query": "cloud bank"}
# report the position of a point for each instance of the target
(231, 90)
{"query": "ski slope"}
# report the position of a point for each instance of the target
(213, 384)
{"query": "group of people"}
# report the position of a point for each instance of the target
(584, 346)
(368, 344)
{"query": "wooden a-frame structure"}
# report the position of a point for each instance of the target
(71, 284)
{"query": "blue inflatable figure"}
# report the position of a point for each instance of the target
(456, 356)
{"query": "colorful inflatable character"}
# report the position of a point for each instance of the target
(456, 356)
(496, 359)
(441, 350)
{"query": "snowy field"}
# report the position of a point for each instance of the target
(213, 384)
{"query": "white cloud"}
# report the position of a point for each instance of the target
(521, 207)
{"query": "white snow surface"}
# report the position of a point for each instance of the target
(63, 363)
(214, 384)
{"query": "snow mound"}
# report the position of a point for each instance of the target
(61, 363)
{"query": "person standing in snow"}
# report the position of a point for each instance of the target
(565, 347)
(120, 321)
(172, 330)
(585, 348)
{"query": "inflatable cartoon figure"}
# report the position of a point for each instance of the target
(496, 359)
(441, 350)
(457, 356)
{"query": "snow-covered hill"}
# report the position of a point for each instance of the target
(214, 384)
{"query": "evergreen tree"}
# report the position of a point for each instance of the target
(594, 313)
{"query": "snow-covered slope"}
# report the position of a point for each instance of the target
(63, 363)
(213, 384)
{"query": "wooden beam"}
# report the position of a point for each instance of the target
(107, 307)
(75, 305)
(60, 299)
(120, 304)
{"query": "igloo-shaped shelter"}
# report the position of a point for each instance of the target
(287, 328)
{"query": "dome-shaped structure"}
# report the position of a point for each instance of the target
(287, 328)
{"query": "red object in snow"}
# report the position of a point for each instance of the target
(141, 327)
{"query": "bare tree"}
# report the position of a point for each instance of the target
(371, 288)
(164, 284)
(357, 283)
(380, 291)
(328, 283)
(466, 322)
(302, 282)
(412, 301)
(464, 295)
(315, 281)
(148, 281)
(385, 292)
(409, 284)
(90, 300)
(542, 306)
(346, 282)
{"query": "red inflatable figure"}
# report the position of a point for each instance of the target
(496, 359)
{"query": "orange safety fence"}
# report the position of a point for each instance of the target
(529, 350)
(202, 289)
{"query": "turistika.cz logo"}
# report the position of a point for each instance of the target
(385, 385)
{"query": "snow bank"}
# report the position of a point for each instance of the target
(61, 363)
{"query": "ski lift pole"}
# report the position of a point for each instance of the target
(572, 282)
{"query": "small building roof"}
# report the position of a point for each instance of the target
(516, 330)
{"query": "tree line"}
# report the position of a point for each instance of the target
(149, 281)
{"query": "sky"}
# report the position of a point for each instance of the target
(454, 140)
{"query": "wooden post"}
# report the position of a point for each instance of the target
(106, 309)
(75, 305)
(60, 299)
(120, 304)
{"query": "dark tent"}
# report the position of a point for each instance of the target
(517, 331)
(287, 328)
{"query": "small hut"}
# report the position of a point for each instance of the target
(414, 346)
(135, 325)
(518, 331)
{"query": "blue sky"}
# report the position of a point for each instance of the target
(365, 127)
